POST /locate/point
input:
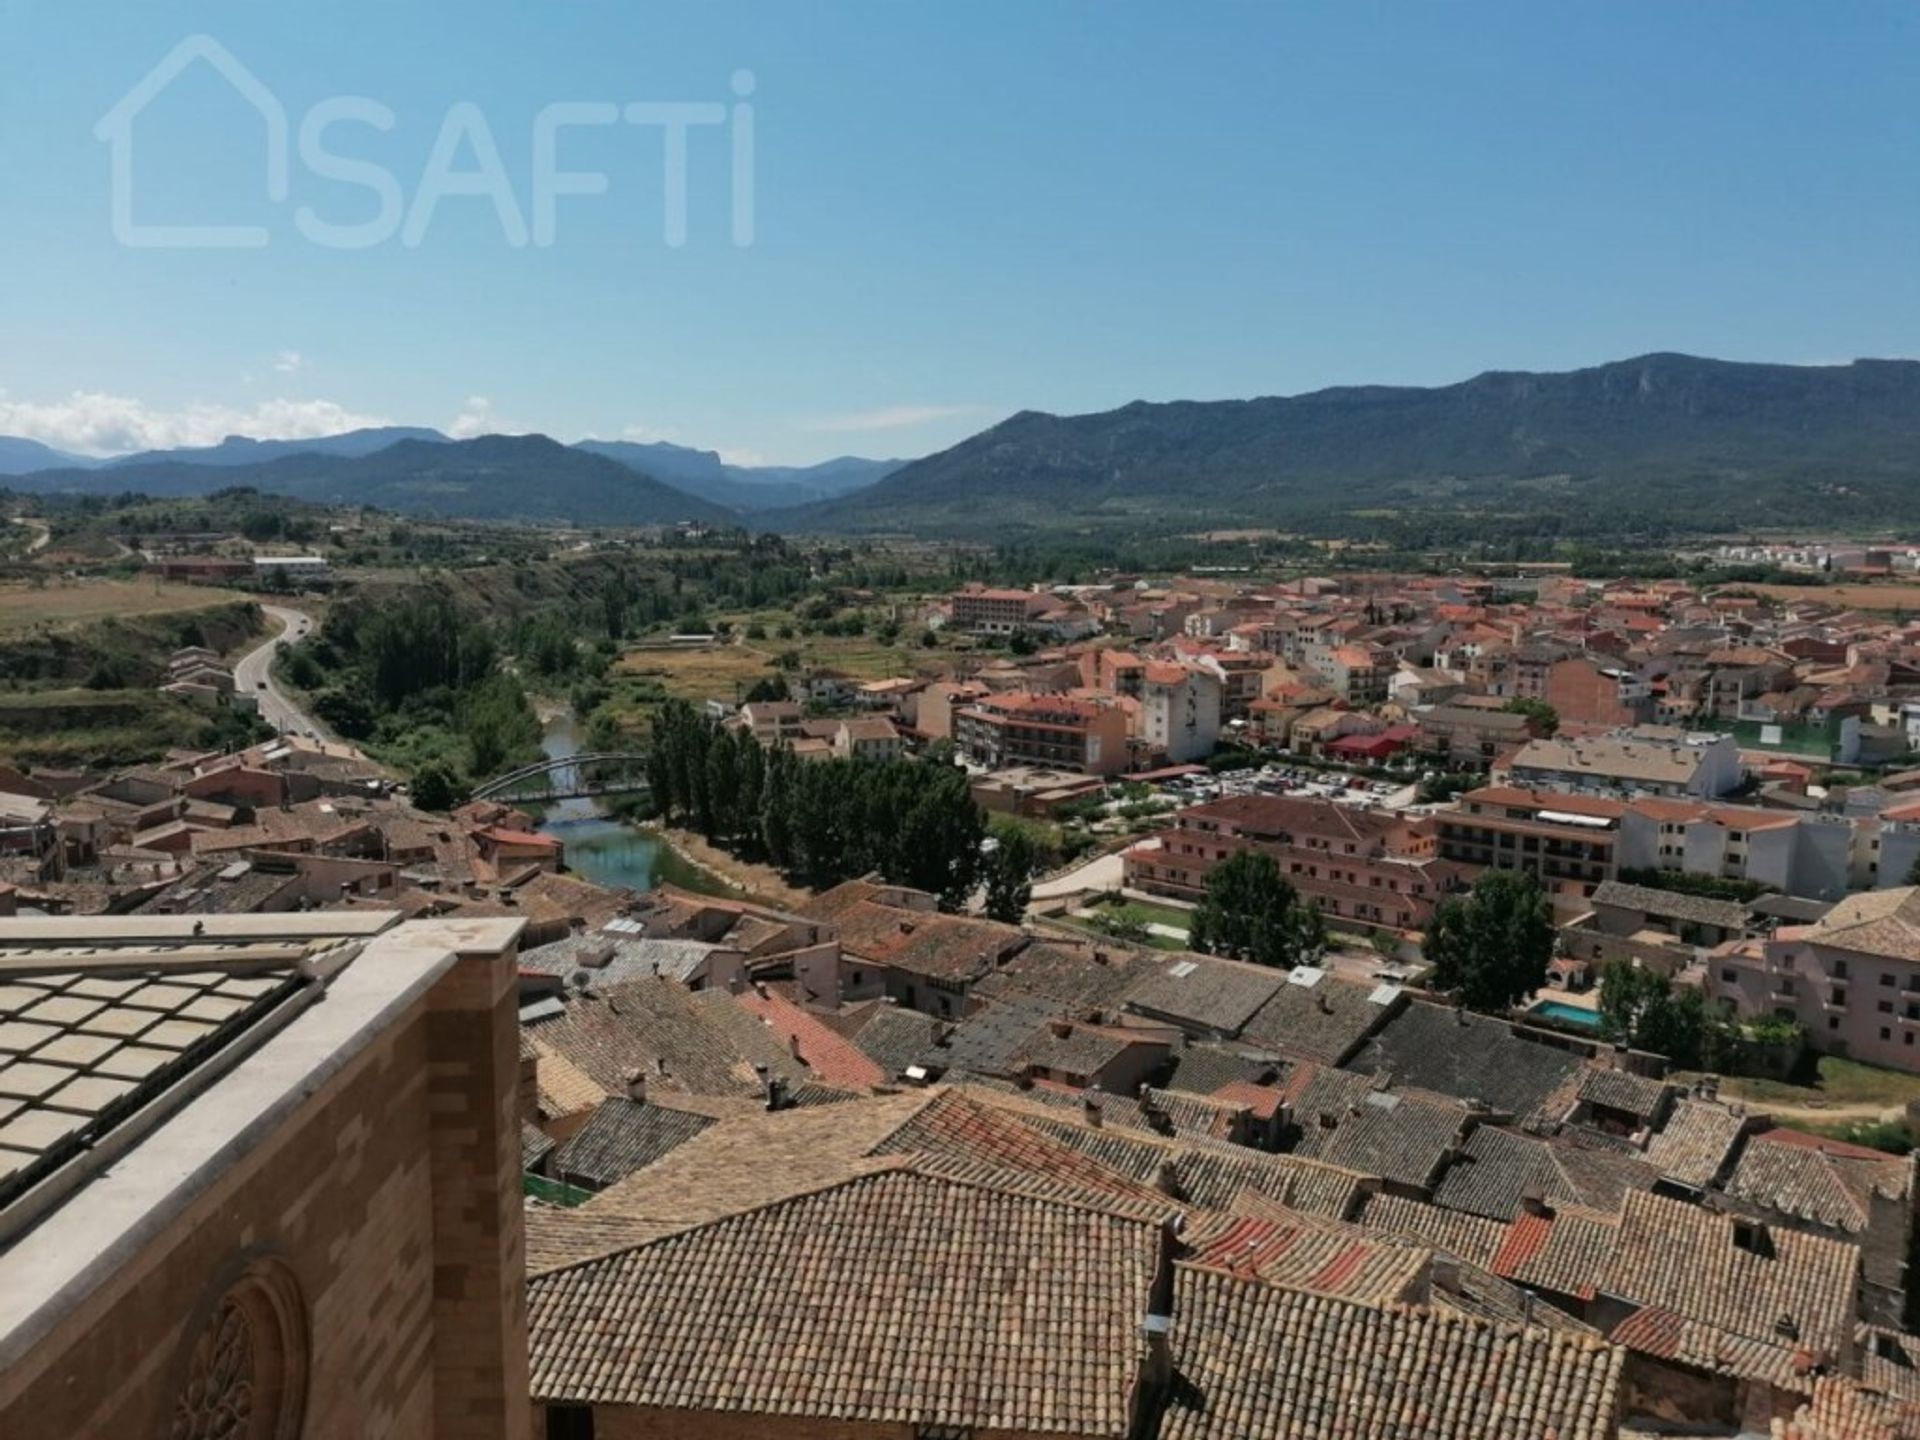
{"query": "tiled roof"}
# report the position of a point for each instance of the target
(1564, 1251)
(1205, 993)
(1468, 1056)
(1305, 1256)
(620, 1137)
(1889, 1361)
(1498, 1168)
(1324, 1021)
(1201, 1067)
(1875, 922)
(535, 1146)
(1672, 904)
(1262, 1101)
(941, 947)
(1078, 977)
(827, 1055)
(1668, 1336)
(1401, 1140)
(894, 1038)
(1621, 1090)
(706, 1042)
(1257, 1360)
(1693, 1146)
(557, 1237)
(1811, 1179)
(564, 1088)
(1471, 1237)
(1687, 1260)
(753, 1160)
(897, 1298)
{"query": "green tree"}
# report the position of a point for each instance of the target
(435, 787)
(1641, 1008)
(1251, 913)
(1491, 946)
(1010, 876)
(1546, 719)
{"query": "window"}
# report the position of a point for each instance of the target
(1886, 1007)
(569, 1422)
(1728, 977)
(1839, 969)
(1886, 979)
(1885, 1033)
(1833, 1022)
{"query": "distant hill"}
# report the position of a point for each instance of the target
(240, 450)
(746, 488)
(496, 477)
(1685, 441)
(23, 457)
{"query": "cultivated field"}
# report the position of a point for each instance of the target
(24, 608)
(720, 671)
(1854, 597)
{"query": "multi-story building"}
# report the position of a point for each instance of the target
(1470, 733)
(1589, 690)
(1852, 978)
(1364, 868)
(1052, 731)
(982, 611)
(1651, 760)
(1180, 710)
(1569, 843)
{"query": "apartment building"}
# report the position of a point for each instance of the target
(1180, 710)
(1472, 730)
(982, 611)
(1852, 978)
(1585, 690)
(1052, 731)
(1569, 843)
(1649, 761)
(1365, 868)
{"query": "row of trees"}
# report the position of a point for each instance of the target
(822, 821)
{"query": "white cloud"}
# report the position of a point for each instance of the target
(649, 434)
(478, 417)
(289, 362)
(890, 417)
(89, 422)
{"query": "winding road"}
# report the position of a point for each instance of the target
(253, 675)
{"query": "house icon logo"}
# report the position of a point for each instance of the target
(116, 128)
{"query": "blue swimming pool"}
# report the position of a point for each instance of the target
(1566, 1014)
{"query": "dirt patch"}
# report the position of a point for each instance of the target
(762, 883)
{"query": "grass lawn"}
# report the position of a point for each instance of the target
(1149, 940)
(24, 608)
(1147, 913)
(1835, 1083)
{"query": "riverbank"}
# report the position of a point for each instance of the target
(761, 883)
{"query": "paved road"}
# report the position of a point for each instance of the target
(253, 675)
(1102, 873)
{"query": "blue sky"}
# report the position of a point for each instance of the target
(958, 211)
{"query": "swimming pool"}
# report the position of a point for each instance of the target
(1566, 1014)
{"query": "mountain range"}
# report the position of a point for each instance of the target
(493, 477)
(1668, 439)
(1662, 441)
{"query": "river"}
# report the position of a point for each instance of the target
(606, 850)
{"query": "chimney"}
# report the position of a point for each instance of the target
(1061, 1028)
(1533, 1201)
(1090, 1111)
(1166, 1179)
(637, 1086)
(793, 1048)
(1326, 1005)
(1460, 1014)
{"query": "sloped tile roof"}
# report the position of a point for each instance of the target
(1303, 1256)
(1471, 1237)
(1668, 1336)
(620, 1137)
(1564, 1251)
(1323, 1022)
(1497, 1169)
(894, 1039)
(1258, 1360)
(1812, 1179)
(1204, 992)
(1694, 1144)
(1684, 1259)
(897, 1298)
(828, 1055)
(1401, 1140)
(1467, 1056)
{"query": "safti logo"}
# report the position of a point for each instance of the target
(464, 162)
